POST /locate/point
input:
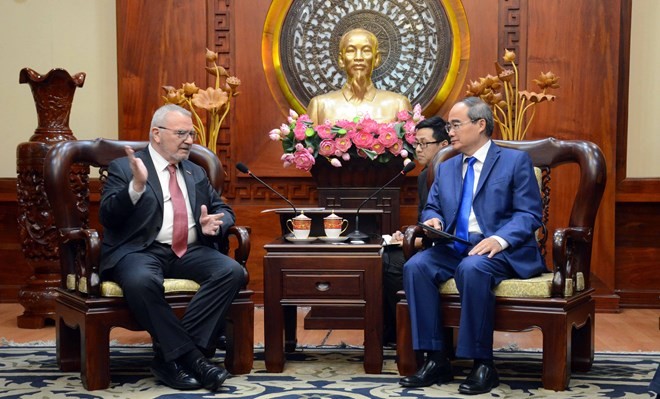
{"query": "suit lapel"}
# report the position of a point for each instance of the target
(492, 157)
(152, 179)
(190, 187)
(458, 178)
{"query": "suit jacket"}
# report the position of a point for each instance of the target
(506, 203)
(130, 228)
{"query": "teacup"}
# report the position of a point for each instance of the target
(334, 225)
(299, 226)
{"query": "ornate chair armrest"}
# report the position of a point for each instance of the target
(409, 236)
(242, 251)
(242, 235)
(81, 254)
(571, 253)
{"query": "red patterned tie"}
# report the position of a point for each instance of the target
(180, 223)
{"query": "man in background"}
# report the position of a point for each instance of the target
(430, 138)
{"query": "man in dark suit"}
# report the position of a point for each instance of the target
(498, 214)
(430, 138)
(160, 213)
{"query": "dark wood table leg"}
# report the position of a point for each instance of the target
(373, 318)
(273, 318)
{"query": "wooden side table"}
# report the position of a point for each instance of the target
(319, 273)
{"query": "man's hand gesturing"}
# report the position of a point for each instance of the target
(138, 169)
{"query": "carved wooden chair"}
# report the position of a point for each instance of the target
(86, 308)
(559, 302)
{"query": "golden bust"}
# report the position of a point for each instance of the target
(358, 57)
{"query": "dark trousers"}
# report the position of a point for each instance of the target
(141, 275)
(393, 261)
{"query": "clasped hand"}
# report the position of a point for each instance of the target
(488, 245)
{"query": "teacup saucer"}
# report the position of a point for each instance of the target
(333, 239)
(299, 240)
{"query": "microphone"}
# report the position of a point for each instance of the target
(357, 234)
(243, 168)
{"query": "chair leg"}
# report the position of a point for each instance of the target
(240, 338)
(67, 343)
(556, 359)
(583, 343)
(95, 372)
(407, 362)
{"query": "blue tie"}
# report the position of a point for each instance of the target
(466, 204)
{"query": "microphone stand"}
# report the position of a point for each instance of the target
(357, 235)
(241, 167)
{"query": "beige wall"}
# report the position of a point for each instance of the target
(644, 108)
(80, 36)
(76, 35)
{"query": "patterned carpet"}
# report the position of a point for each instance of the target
(319, 373)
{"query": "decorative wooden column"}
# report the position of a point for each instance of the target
(53, 96)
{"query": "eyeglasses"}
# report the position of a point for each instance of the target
(457, 125)
(182, 134)
(424, 145)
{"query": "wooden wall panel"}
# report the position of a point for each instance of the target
(637, 253)
(158, 43)
(579, 42)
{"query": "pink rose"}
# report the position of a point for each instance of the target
(305, 118)
(410, 138)
(343, 143)
(370, 125)
(302, 158)
(387, 135)
(325, 131)
(363, 139)
(378, 147)
(327, 147)
(335, 162)
(396, 148)
(403, 115)
(299, 131)
(409, 126)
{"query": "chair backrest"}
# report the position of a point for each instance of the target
(66, 179)
(547, 154)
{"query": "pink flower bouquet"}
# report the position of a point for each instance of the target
(342, 140)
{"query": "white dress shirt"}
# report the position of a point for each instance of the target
(480, 155)
(165, 234)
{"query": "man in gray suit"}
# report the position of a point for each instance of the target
(160, 213)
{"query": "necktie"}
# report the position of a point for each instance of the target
(465, 207)
(180, 222)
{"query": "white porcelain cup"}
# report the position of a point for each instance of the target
(299, 226)
(334, 226)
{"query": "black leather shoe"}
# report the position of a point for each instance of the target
(430, 373)
(173, 375)
(481, 379)
(209, 375)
